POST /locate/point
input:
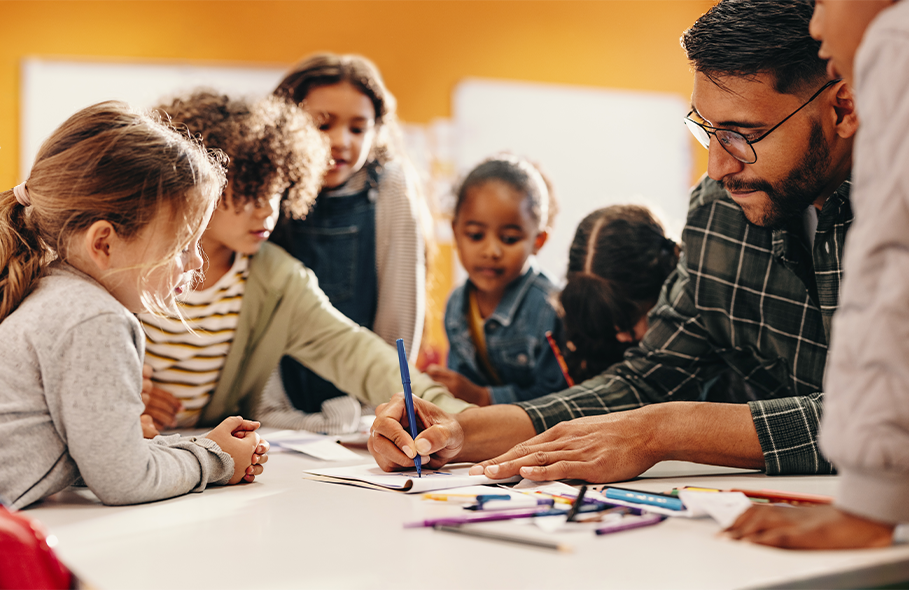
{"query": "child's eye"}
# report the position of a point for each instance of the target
(357, 130)
(324, 127)
(509, 240)
(474, 236)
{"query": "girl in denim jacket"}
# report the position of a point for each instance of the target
(497, 321)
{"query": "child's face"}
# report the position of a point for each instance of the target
(242, 230)
(495, 232)
(840, 26)
(348, 118)
(137, 262)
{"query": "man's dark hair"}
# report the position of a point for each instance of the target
(744, 38)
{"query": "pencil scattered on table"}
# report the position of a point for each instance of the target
(531, 542)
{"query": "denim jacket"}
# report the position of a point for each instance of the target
(515, 339)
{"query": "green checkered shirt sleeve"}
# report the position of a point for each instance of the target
(749, 299)
(787, 430)
(669, 364)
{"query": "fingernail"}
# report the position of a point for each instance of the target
(525, 471)
(424, 460)
(476, 470)
(492, 469)
(423, 446)
(407, 451)
(255, 459)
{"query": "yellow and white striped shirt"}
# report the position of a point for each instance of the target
(189, 365)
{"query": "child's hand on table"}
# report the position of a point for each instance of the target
(237, 438)
(809, 527)
(460, 386)
(260, 454)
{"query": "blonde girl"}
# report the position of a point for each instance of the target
(107, 225)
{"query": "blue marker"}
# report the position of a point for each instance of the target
(651, 498)
(408, 401)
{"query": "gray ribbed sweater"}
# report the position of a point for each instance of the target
(70, 381)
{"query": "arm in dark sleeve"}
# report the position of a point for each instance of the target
(787, 430)
(670, 363)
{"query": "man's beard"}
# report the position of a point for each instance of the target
(789, 197)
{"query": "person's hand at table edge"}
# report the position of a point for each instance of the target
(439, 441)
(812, 527)
(614, 447)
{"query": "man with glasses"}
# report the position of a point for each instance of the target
(746, 315)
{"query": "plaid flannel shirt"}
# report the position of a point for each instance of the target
(746, 305)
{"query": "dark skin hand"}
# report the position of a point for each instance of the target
(813, 527)
(163, 408)
(460, 386)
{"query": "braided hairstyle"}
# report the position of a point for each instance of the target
(617, 264)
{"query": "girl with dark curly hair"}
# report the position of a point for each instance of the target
(258, 303)
(363, 237)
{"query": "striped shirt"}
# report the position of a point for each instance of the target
(748, 305)
(189, 365)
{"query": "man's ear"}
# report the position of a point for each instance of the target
(846, 123)
(540, 241)
(98, 241)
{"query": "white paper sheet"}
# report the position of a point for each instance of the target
(371, 476)
(723, 507)
(312, 444)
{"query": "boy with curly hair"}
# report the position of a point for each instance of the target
(257, 303)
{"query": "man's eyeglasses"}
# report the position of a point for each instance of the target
(734, 142)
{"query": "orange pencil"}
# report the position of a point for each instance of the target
(559, 358)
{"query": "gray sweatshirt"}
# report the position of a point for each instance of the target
(865, 431)
(70, 382)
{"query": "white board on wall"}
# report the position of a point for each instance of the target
(599, 146)
(52, 90)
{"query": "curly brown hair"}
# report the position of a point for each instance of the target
(274, 147)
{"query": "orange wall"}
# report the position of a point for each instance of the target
(423, 47)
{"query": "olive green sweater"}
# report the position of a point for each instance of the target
(285, 313)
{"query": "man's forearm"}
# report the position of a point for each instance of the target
(705, 432)
(492, 430)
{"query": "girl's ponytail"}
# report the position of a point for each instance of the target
(22, 253)
(617, 264)
(591, 312)
(106, 162)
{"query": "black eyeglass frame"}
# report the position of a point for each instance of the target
(713, 130)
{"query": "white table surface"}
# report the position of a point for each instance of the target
(286, 532)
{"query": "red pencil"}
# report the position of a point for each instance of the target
(559, 358)
(786, 497)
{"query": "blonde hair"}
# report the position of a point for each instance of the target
(107, 162)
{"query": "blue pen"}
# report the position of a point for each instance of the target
(653, 499)
(408, 402)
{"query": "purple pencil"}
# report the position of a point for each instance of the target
(628, 524)
(482, 517)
